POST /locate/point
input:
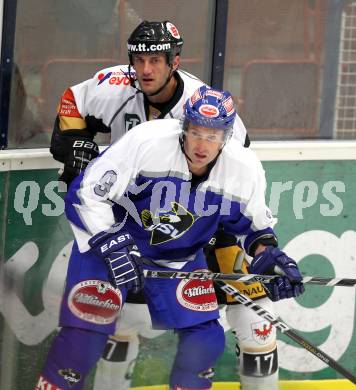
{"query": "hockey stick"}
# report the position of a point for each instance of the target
(285, 329)
(249, 278)
(273, 319)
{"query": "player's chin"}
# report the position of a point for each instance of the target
(148, 87)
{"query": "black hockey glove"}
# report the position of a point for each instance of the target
(75, 149)
(122, 258)
(80, 153)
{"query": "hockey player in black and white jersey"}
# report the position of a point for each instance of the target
(121, 97)
(117, 99)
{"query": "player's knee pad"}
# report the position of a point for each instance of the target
(73, 353)
(198, 349)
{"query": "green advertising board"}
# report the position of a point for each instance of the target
(315, 203)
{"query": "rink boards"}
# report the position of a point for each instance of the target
(311, 189)
(284, 385)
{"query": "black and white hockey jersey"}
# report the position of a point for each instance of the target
(109, 103)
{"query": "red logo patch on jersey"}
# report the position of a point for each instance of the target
(43, 384)
(67, 105)
(209, 110)
(95, 301)
(262, 332)
(197, 295)
(173, 30)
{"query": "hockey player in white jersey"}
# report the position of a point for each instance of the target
(143, 206)
(121, 97)
(117, 99)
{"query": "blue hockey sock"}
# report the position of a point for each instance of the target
(73, 353)
(198, 349)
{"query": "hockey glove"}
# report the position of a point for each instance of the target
(282, 287)
(271, 261)
(122, 258)
(80, 153)
(75, 149)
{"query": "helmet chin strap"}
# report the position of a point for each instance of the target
(160, 89)
(181, 142)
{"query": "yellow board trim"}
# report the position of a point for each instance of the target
(334, 384)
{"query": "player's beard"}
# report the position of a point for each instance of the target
(161, 88)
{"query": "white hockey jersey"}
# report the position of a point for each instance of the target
(110, 99)
(143, 183)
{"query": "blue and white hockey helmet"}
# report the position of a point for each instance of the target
(210, 108)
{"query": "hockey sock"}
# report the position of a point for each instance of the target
(198, 349)
(73, 353)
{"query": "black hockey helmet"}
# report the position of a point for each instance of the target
(155, 37)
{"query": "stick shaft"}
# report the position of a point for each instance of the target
(244, 300)
(247, 278)
(284, 328)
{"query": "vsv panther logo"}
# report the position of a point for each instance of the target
(167, 225)
(70, 376)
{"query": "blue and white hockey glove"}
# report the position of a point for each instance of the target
(271, 261)
(122, 258)
(282, 288)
